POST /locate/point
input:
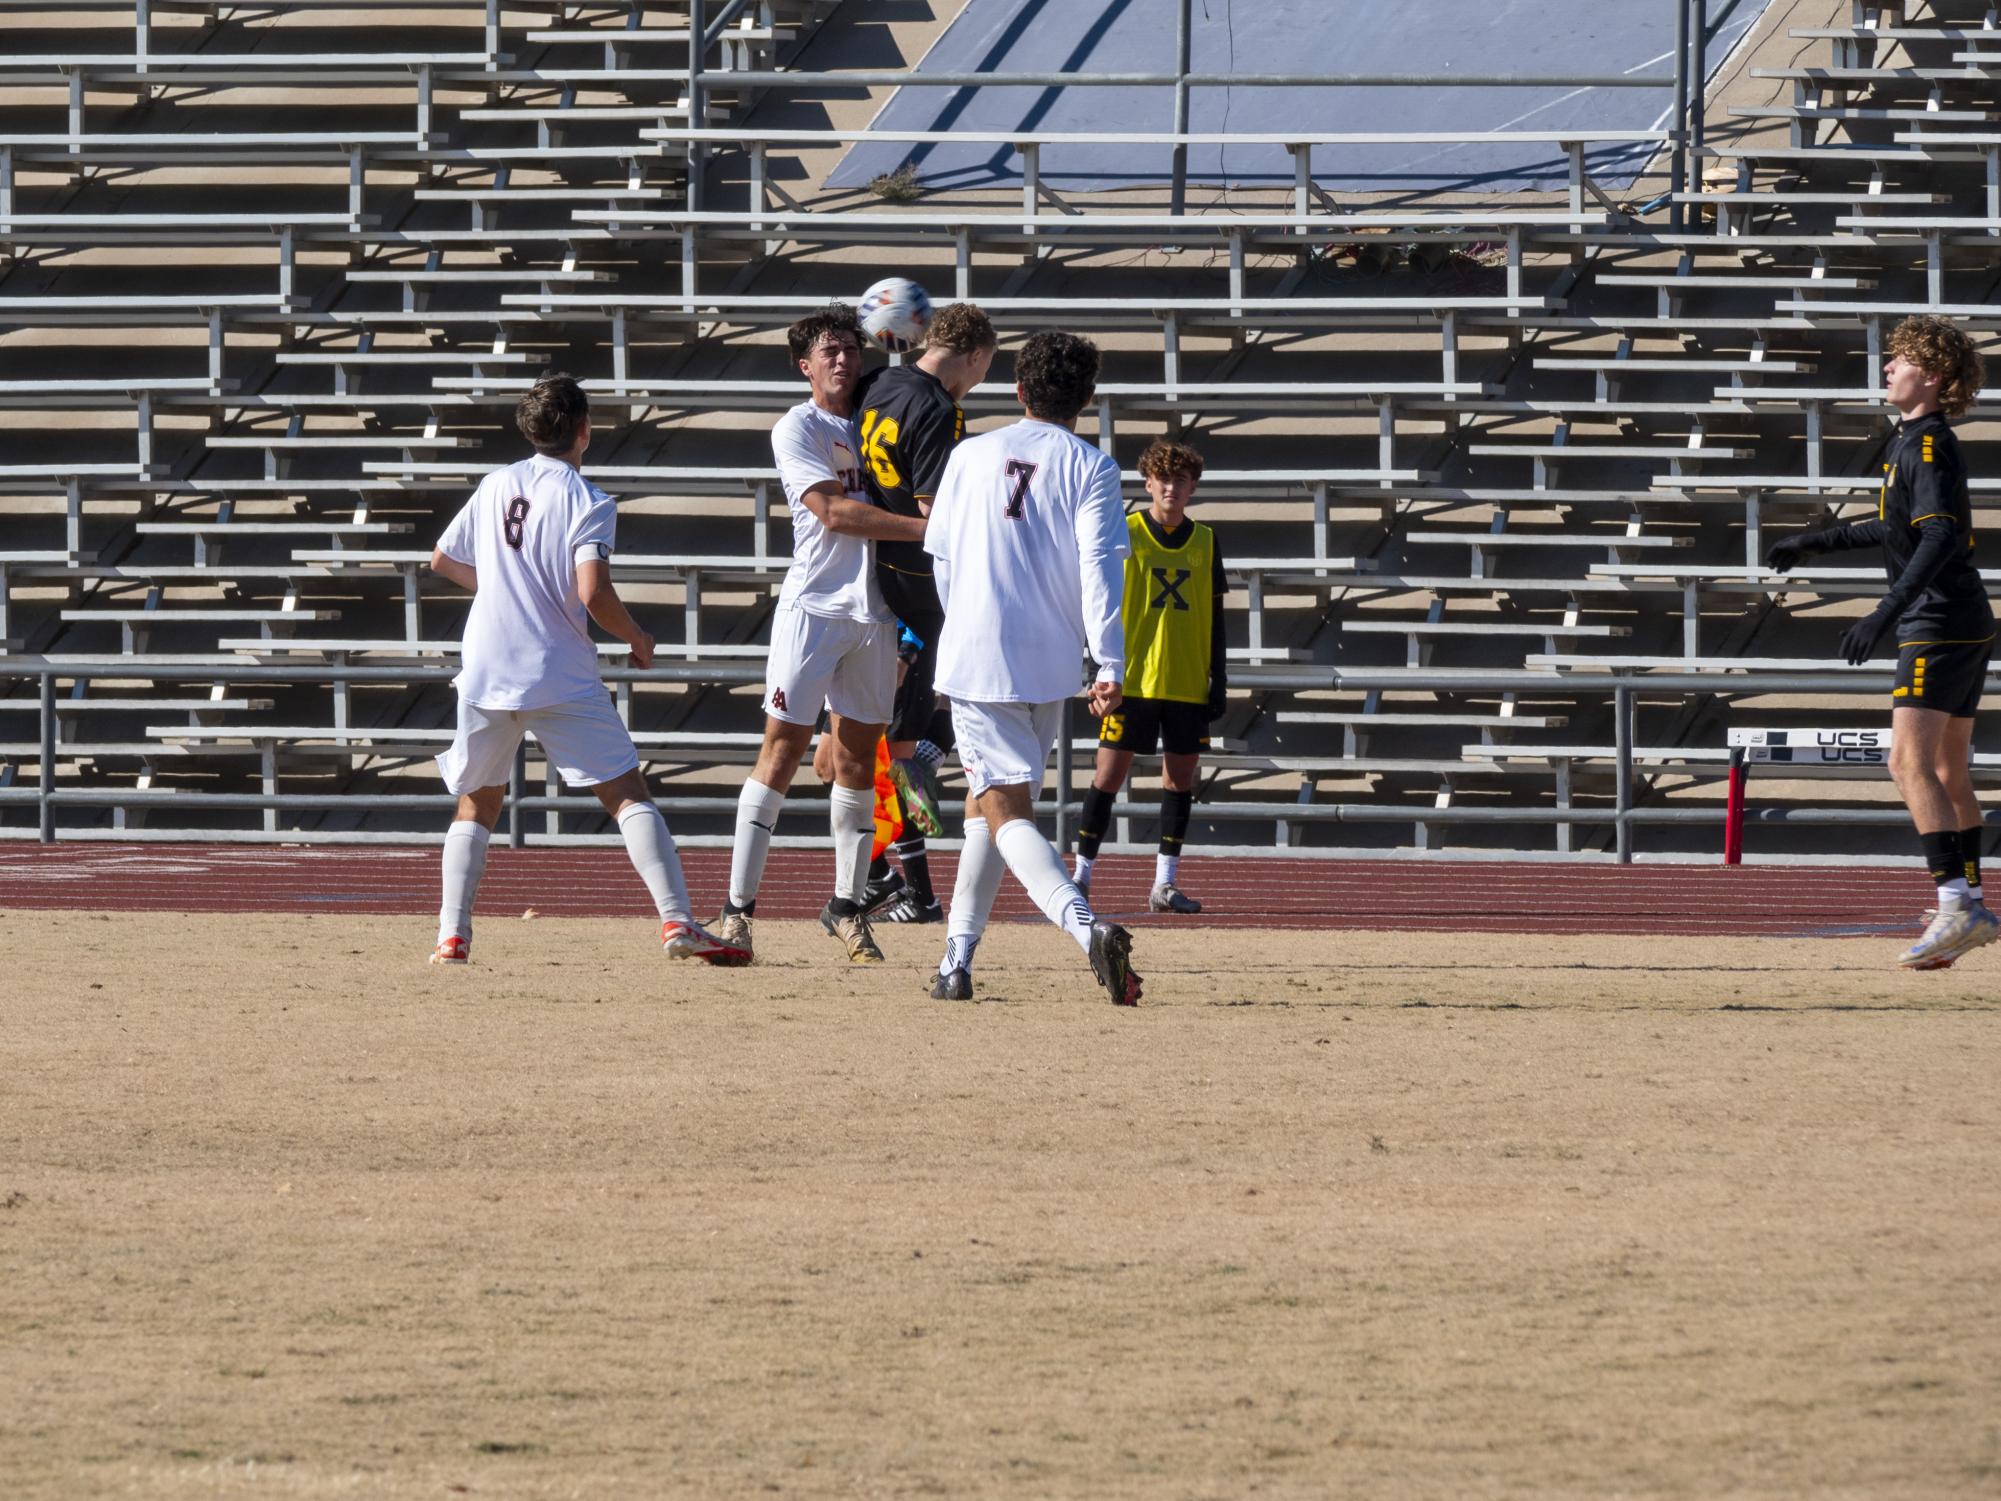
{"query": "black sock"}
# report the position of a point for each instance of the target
(1176, 809)
(1942, 856)
(878, 869)
(840, 906)
(748, 909)
(916, 867)
(1969, 852)
(1095, 821)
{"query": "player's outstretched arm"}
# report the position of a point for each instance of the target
(600, 599)
(1784, 555)
(462, 574)
(847, 517)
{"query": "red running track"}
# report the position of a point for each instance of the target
(1514, 897)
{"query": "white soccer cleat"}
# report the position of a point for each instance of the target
(1949, 935)
(686, 940)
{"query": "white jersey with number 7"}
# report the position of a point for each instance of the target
(1029, 533)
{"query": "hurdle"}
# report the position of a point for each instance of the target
(1749, 747)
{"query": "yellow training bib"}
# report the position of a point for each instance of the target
(1169, 612)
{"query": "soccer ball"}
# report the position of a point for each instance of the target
(895, 313)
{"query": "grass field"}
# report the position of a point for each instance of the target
(284, 1212)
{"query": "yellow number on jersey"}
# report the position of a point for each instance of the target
(878, 432)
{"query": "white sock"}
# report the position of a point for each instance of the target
(973, 892)
(1082, 871)
(1164, 868)
(653, 855)
(851, 814)
(756, 816)
(1039, 868)
(465, 859)
(1955, 896)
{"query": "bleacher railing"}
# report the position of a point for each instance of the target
(1623, 689)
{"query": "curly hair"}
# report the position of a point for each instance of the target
(961, 328)
(1164, 460)
(1057, 374)
(550, 414)
(836, 318)
(1940, 347)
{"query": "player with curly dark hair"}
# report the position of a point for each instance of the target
(1939, 609)
(1056, 374)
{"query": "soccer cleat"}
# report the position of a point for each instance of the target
(452, 951)
(1083, 889)
(918, 790)
(908, 909)
(732, 930)
(687, 940)
(1950, 934)
(954, 985)
(852, 930)
(881, 893)
(1112, 963)
(1171, 898)
(1930, 964)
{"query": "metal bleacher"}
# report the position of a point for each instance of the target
(272, 281)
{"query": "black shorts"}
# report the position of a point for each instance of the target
(1942, 675)
(1139, 724)
(913, 599)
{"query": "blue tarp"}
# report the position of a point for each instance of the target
(1559, 38)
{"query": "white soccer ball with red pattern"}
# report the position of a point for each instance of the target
(895, 313)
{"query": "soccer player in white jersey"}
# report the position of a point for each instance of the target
(832, 640)
(534, 545)
(1028, 534)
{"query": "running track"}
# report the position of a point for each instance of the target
(1771, 901)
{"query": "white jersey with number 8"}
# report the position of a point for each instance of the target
(526, 528)
(1029, 533)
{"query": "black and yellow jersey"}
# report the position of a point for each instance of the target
(1172, 615)
(909, 425)
(1924, 524)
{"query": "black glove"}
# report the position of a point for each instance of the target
(1219, 704)
(1784, 555)
(1859, 643)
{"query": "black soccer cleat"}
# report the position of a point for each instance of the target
(881, 893)
(907, 909)
(1112, 963)
(954, 985)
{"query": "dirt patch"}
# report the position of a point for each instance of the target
(1384, 1215)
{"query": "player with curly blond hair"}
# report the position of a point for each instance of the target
(1944, 624)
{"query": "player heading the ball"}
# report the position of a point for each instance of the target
(910, 421)
(534, 544)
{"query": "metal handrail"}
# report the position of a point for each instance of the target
(1625, 688)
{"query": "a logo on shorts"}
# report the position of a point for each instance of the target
(778, 698)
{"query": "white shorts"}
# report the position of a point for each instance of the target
(848, 665)
(1006, 744)
(584, 740)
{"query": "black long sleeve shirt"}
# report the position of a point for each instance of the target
(1924, 524)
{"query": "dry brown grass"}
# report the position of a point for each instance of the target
(286, 1213)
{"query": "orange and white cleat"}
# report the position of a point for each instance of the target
(454, 950)
(687, 940)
